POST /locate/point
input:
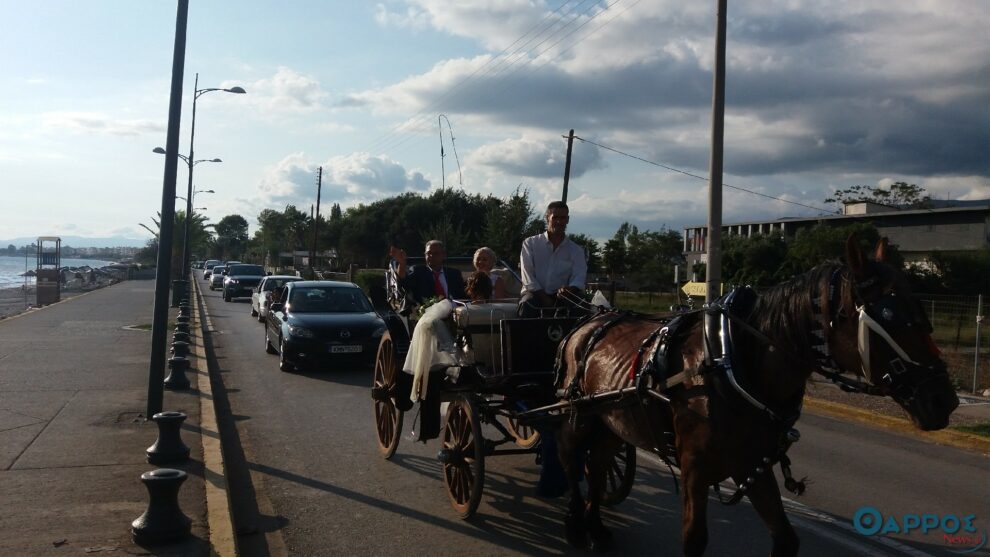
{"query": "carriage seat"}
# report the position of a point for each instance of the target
(482, 324)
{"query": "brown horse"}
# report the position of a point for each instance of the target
(733, 417)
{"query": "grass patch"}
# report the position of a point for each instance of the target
(982, 429)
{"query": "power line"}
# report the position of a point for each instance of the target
(686, 173)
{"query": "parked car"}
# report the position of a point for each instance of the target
(322, 323)
(216, 278)
(241, 280)
(208, 268)
(262, 295)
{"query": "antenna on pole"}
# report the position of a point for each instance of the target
(316, 219)
(450, 129)
(443, 173)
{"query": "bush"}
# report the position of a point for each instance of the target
(370, 280)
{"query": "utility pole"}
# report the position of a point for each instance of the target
(713, 349)
(443, 173)
(316, 220)
(156, 368)
(567, 165)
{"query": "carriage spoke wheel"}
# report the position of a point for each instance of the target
(619, 475)
(388, 418)
(463, 457)
(526, 436)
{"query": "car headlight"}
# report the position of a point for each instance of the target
(232, 281)
(301, 332)
(379, 332)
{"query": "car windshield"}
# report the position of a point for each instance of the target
(328, 299)
(273, 283)
(247, 270)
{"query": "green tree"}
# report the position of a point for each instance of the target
(898, 194)
(591, 251)
(614, 252)
(232, 237)
(754, 261)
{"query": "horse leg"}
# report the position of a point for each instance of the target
(603, 449)
(568, 445)
(765, 497)
(694, 523)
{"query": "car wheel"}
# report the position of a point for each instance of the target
(226, 297)
(268, 343)
(261, 318)
(283, 364)
(254, 312)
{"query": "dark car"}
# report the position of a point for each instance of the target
(321, 324)
(241, 279)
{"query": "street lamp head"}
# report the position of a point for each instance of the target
(239, 90)
(215, 160)
(158, 150)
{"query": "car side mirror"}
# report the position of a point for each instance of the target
(277, 306)
(269, 273)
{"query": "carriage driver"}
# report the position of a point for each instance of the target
(554, 268)
(553, 273)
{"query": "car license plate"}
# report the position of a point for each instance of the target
(345, 349)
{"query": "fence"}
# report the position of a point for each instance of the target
(962, 339)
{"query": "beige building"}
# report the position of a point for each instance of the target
(948, 226)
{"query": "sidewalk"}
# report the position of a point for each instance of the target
(73, 392)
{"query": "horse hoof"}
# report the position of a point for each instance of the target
(601, 540)
(575, 535)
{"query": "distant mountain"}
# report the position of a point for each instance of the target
(82, 242)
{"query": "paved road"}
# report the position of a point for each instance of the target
(317, 479)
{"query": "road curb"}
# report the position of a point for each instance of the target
(223, 540)
(949, 437)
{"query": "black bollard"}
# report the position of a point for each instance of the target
(185, 309)
(182, 327)
(177, 380)
(163, 521)
(169, 448)
(182, 319)
(180, 336)
(180, 348)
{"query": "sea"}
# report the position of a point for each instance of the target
(11, 268)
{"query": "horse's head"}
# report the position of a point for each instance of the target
(889, 339)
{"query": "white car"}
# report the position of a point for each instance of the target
(262, 295)
(208, 268)
(216, 278)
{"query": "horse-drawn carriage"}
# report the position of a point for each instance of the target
(501, 373)
(634, 380)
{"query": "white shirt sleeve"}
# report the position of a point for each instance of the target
(529, 281)
(579, 271)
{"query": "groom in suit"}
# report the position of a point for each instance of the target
(432, 279)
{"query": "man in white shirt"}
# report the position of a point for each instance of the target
(554, 268)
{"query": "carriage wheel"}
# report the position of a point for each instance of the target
(463, 457)
(526, 436)
(388, 418)
(619, 476)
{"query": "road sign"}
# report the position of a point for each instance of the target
(696, 289)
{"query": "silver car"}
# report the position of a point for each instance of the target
(261, 297)
(216, 278)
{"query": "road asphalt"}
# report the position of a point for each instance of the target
(73, 434)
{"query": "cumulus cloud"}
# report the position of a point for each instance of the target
(537, 159)
(833, 87)
(350, 179)
(286, 91)
(100, 123)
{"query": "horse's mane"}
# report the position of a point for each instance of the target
(784, 313)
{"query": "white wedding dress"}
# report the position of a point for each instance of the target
(431, 347)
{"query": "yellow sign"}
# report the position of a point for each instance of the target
(695, 289)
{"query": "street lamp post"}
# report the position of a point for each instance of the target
(190, 160)
(178, 285)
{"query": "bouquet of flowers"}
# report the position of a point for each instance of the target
(421, 309)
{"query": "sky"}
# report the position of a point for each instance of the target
(820, 96)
